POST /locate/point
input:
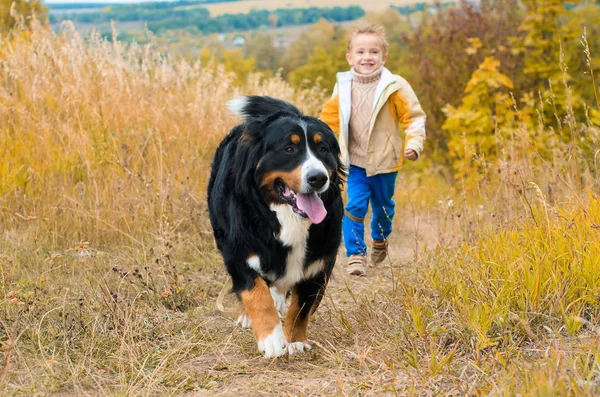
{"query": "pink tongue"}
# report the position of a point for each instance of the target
(312, 206)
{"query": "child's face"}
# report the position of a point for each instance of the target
(366, 53)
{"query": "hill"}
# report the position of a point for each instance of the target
(193, 16)
(248, 5)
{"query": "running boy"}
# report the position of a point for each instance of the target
(368, 105)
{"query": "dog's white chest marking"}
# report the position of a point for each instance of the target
(294, 234)
(254, 263)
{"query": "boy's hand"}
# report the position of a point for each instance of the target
(410, 154)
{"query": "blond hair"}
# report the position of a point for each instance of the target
(377, 30)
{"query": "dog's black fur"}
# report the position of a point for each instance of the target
(259, 171)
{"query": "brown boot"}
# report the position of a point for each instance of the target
(357, 265)
(379, 251)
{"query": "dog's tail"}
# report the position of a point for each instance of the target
(256, 107)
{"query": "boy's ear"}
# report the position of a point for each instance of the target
(349, 58)
(385, 58)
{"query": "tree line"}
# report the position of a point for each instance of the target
(162, 16)
(152, 5)
(258, 18)
(137, 12)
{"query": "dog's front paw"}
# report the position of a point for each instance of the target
(274, 344)
(298, 347)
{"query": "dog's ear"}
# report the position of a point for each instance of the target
(257, 112)
(248, 153)
(261, 108)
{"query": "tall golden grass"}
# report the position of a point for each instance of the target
(102, 139)
(105, 153)
(108, 271)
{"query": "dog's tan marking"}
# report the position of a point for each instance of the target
(260, 308)
(292, 179)
(295, 139)
(317, 138)
(245, 139)
(295, 327)
(240, 310)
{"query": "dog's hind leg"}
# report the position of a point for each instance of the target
(266, 325)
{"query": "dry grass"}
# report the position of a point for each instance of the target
(108, 271)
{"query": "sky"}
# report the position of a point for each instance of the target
(92, 1)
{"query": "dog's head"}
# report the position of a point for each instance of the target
(291, 158)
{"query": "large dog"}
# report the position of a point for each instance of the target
(276, 211)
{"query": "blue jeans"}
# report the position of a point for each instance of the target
(362, 188)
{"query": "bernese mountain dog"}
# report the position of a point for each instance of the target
(275, 205)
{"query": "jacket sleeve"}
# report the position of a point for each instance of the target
(406, 109)
(331, 113)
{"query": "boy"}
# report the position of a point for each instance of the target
(367, 107)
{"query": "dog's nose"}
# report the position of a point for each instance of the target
(316, 179)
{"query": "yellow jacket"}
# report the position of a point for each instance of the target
(395, 108)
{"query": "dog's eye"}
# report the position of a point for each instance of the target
(323, 149)
(290, 149)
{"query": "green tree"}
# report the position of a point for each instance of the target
(437, 53)
(549, 42)
(473, 125)
(300, 50)
(540, 38)
(590, 17)
(261, 47)
(322, 67)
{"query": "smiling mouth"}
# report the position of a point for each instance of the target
(289, 197)
(305, 205)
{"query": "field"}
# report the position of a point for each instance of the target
(181, 19)
(247, 5)
(109, 273)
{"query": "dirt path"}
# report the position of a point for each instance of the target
(339, 364)
(406, 245)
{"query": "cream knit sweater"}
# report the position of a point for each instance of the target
(363, 94)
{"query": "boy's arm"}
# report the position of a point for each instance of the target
(331, 113)
(407, 110)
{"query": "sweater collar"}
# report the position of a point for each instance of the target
(344, 91)
(344, 78)
(366, 78)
